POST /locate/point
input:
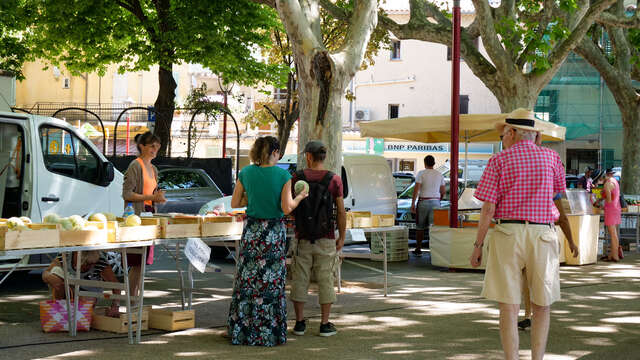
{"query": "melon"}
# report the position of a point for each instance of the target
(133, 220)
(301, 186)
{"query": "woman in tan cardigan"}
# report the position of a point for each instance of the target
(141, 189)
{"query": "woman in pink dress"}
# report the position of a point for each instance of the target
(612, 214)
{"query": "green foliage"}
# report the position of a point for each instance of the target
(633, 36)
(334, 32)
(526, 33)
(197, 100)
(220, 34)
(14, 48)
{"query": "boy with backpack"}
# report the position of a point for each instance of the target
(317, 243)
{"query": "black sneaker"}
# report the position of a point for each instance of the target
(300, 328)
(417, 252)
(524, 324)
(328, 329)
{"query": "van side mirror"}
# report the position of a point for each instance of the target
(107, 173)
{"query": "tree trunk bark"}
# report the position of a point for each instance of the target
(314, 100)
(164, 107)
(514, 93)
(631, 150)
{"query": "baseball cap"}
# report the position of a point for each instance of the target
(589, 168)
(315, 146)
(610, 171)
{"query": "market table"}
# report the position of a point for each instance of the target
(187, 292)
(369, 255)
(77, 282)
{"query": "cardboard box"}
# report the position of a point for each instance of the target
(120, 324)
(148, 230)
(180, 227)
(383, 220)
(85, 237)
(40, 236)
(221, 226)
(172, 320)
(360, 219)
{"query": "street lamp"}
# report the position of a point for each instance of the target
(226, 90)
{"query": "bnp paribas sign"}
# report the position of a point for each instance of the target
(415, 147)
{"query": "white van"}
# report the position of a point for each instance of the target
(48, 166)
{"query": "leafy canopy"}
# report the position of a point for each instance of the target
(14, 49)
(222, 35)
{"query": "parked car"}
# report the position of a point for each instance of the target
(186, 189)
(402, 180)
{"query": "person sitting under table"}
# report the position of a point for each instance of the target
(95, 266)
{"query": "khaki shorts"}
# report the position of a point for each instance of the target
(517, 247)
(320, 258)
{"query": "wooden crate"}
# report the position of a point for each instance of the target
(172, 320)
(360, 219)
(180, 227)
(85, 237)
(148, 230)
(221, 226)
(120, 324)
(40, 236)
(383, 220)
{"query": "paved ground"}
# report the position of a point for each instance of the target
(429, 314)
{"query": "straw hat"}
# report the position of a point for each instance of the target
(521, 119)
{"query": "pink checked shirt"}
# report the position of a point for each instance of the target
(521, 181)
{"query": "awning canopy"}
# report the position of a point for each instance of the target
(437, 129)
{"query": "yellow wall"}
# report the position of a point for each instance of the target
(42, 86)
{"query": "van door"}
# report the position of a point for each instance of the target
(370, 185)
(11, 169)
(67, 183)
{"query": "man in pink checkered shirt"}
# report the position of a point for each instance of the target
(518, 188)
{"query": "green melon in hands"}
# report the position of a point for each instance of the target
(300, 186)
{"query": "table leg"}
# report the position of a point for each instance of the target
(12, 269)
(143, 267)
(182, 290)
(339, 271)
(384, 263)
(65, 267)
(638, 233)
(125, 267)
(76, 293)
(190, 289)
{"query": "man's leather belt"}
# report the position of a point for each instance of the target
(509, 221)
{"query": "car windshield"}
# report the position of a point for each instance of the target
(175, 180)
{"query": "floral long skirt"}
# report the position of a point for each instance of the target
(258, 311)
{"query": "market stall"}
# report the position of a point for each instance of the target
(451, 247)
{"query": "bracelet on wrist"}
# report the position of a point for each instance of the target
(476, 245)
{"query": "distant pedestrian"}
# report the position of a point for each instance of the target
(429, 190)
(586, 182)
(317, 242)
(258, 310)
(517, 188)
(612, 214)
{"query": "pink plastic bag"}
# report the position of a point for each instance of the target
(53, 315)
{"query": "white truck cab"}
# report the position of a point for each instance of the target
(48, 166)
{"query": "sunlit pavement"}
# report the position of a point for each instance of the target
(430, 313)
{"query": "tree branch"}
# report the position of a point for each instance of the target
(490, 39)
(631, 22)
(562, 50)
(335, 11)
(297, 25)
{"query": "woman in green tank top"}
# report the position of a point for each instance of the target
(258, 311)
